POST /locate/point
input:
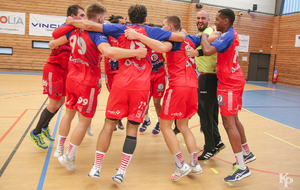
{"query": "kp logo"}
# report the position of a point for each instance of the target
(285, 180)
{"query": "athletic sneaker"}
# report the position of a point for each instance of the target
(120, 125)
(220, 146)
(180, 172)
(176, 130)
(248, 158)
(38, 140)
(58, 153)
(156, 129)
(196, 169)
(238, 174)
(94, 173)
(46, 134)
(119, 176)
(144, 126)
(89, 131)
(64, 161)
(207, 154)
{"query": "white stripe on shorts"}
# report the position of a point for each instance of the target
(167, 105)
(91, 100)
(50, 82)
(229, 100)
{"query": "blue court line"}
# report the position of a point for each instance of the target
(46, 163)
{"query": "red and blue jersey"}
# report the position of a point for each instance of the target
(84, 63)
(158, 63)
(60, 55)
(229, 72)
(134, 74)
(182, 69)
(111, 65)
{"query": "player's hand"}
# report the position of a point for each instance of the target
(131, 34)
(51, 45)
(107, 22)
(141, 52)
(184, 31)
(69, 20)
(191, 53)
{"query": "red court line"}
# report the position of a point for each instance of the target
(13, 125)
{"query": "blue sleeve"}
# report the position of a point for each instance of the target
(98, 38)
(157, 33)
(176, 46)
(224, 41)
(68, 34)
(114, 30)
(195, 39)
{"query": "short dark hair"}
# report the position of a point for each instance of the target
(137, 13)
(73, 9)
(175, 20)
(115, 19)
(227, 13)
(95, 8)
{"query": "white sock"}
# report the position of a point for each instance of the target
(178, 159)
(240, 160)
(71, 151)
(158, 119)
(61, 142)
(194, 158)
(146, 118)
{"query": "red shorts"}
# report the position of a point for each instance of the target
(230, 102)
(54, 81)
(109, 79)
(179, 103)
(127, 103)
(82, 98)
(158, 84)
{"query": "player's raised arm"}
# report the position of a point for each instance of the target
(57, 42)
(85, 24)
(156, 45)
(119, 53)
(206, 47)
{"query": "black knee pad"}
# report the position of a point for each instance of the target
(133, 122)
(111, 119)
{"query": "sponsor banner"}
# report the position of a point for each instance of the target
(44, 25)
(12, 22)
(244, 43)
(297, 42)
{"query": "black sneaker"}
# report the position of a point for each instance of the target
(176, 130)
(220, 146)
(207, 154)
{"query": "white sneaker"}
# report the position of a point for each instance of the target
(196, 169)
(64, 161)
(180, 172)
(89, 131)
(95, 172)
(58, 153)
(118, 178)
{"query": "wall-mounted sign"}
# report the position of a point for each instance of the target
(12, 22)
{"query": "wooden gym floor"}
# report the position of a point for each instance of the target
(270, 118)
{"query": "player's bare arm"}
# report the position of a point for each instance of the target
(57, 42)
(119, 53)
(85, 24)
(178, 36)
(206, 47)
(161, 47)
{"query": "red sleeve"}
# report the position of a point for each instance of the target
(58, 32)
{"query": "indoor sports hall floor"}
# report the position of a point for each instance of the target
(270, 116)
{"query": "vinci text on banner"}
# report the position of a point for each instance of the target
(44, 25)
